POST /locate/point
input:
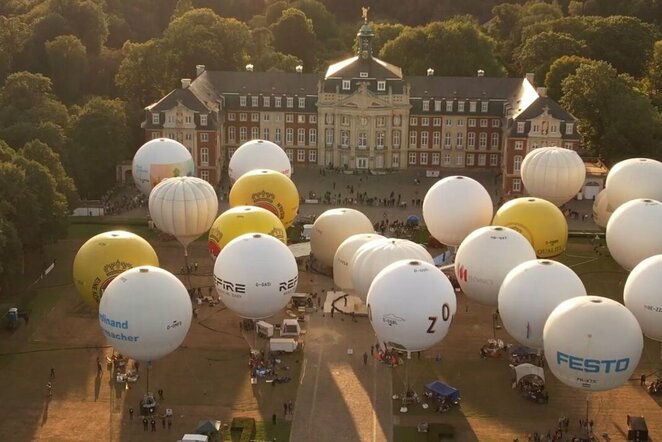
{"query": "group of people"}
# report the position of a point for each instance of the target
(654, 387)
(562, 432)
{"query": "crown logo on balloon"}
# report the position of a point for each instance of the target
(263, 197)
(117, 267)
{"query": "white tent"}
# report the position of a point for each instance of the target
(523, 370)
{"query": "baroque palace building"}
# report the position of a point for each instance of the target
(364, 114)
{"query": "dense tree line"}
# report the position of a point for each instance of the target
(76, 74)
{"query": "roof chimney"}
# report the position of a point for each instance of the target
(249, 67)
(430, 72)
(186, 82)
(481, 73)
(542, 91)
(530, 77)
(199, 69)
(299, 69)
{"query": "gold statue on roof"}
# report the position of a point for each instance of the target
(364, 13)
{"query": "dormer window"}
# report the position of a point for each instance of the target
(155, 118)
(242, 101)
(569, 128)
(302, 102)
(520, 127)
(363, 74)
(345, 85)
(381, 85)
(255, 101)
(203, 120)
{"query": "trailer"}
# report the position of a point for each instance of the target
(287, 345)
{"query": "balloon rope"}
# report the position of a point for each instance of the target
(187, 271)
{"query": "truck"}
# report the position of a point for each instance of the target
(287, 345)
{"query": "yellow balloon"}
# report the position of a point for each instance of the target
(539, 221)
(243, 219)
(269, 190)
(105, 256)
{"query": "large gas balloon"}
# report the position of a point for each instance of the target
(159, 159)
(454, 207)
(553, 173)
(243, 219)
(183, 207)
(342, 272)
(634, 232)
(372, 257)
(105, 256)
(643, 297)
(145, 313)
(601, 209)
(255, 275)
(540, 221)
(592, 343)
(334, 226)
(634, 178)
(258, 154)
(411, 305)
(268, 189)
(484, 259)
(529, 294)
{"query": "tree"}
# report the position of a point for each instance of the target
(264, 57)
(101, 73)
(274, 11)
(11, 253)
(537, 53)
(67, 62)
(615, 119)
(181, 8)
(293, 34)
(559, 71)
(654, 74)
(13, 35)
(141, 74)
(85, 19)
(324, 23)
(384, 32)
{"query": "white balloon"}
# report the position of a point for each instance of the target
(634, 178)
(145, 313)
(553, 173)
(411, 305)
(529, 294)
(159, 159)
(255, 274)
(643, 297)
(454, 207)
(601, 209)
(634, 232)
(342, 273)
(258, 154)
(592, 343)
(484, 259)
(184, 207)
(334, 226)
(372, 257)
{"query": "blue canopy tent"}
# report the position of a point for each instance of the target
(443, 390)
(413, 220)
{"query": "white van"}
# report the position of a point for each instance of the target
(288, 345)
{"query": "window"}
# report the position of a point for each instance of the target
(483, 122)
(426, 105)
(517, 185)
(459, 160)
(364, 121)
(231, 152)
(328, 118)
(380, 139)
(567, 145)
(517, 163)
(412, 138)
(155, 118)
(568, 128)
(496, 123)
(436, 138)
(204, 136)
(472, 122)
(242, 101)
(171, 119)
(553, 128)
(460, 106)
(449, 106)
(312, 118)
(435, 158)
(255, 117)
(395, 160)
(301, 136)
(278, 118)
(437, 105)
(381, 85)
(424, 139)
(481, 159)
(397, 120)
(482, 141)
(255, 133)
(290, 154)
(243, 134)
(255, 101)
(344, 138)
(494, 140)
(344, 120)
(447, 140)
(449, 122)
(290, 102)
(289, 118)
(483, 108)
(204, 174)
(312, 137)
(266, 101)
(289, 135)
(243, 116)
(329, 137)
(302, 102)
(520, 127)
(425, 121)
(494, 159)
(413, 121)
(472, 106)
(188, 119)
(312, 156)
(381, 121)
(363, 140)
(471, 140)
(412, 157)
(277, 101)
(232, 134)
(396, 139)
(301, 119)
(345, 85)
(231, 117)
(278, 138)
(171, 135)
(266, 117)
(363, 75)
(301, 155)
(265, 133)
(204, 156)
(424, 158)
(156, 135)
(460, 122)
(460, 140)
(536, 128)
(436, 121)
(470, 159)
(519, 145)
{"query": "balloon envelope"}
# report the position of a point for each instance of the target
(540, 221)
(258, 154)
(553, 173)
(529, 294)
(592, 343)
(106, 255)
(342, 272)
(145, 313)
(634, 232)
(601, 209)
(243, 219)
(159, 159)
(634, 178)
(268, 189)
(183, 207)
(484, 259)
(255, 275)
(454, 207)
(643, 297)
(411, 305)
(334, 226)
